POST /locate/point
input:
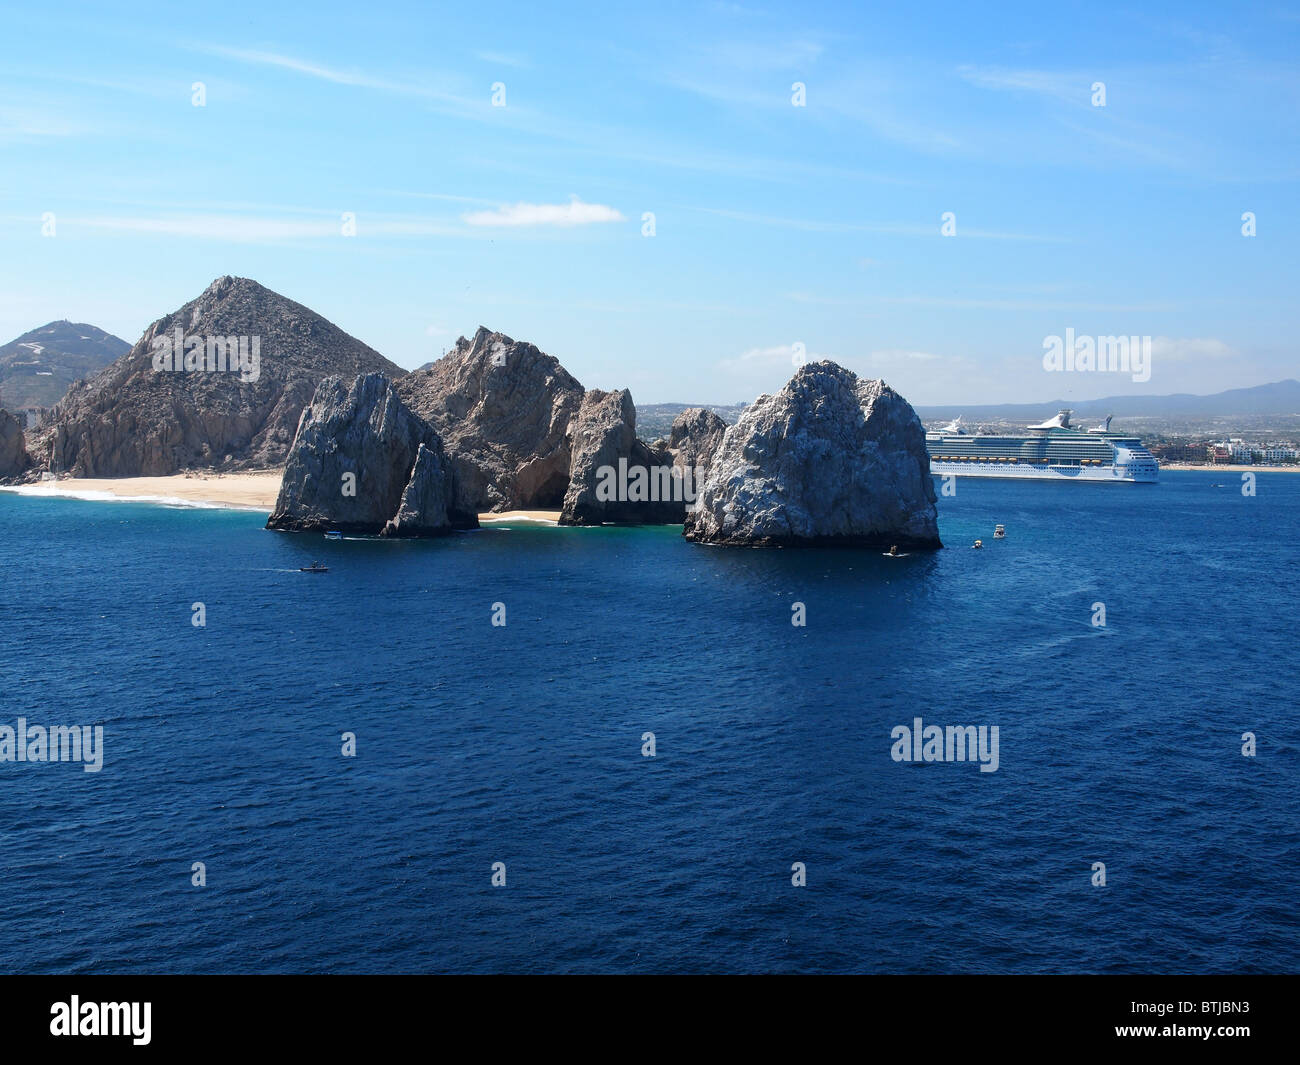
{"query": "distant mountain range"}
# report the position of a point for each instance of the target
(1278, 398)
(1281, 397)
(37, 368)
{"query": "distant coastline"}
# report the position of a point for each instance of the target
(1227, 468)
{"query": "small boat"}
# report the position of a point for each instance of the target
(334, 534)
(999, 532)
(893, 552)
(315, 567)
(978, 543)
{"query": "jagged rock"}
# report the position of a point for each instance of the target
(502, 409)
(694, 437)
(400, 482)
(132, 419)
(13, 451)
(604, 483)
(428, 504)
(830, 459)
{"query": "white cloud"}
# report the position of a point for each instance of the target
(573, 213)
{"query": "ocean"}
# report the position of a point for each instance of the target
(523, 743)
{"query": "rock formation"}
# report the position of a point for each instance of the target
(694, 437)
(502, 409)
(135, 419)
(830, 459)
(363, 462)
(614, 477)
(13, 452)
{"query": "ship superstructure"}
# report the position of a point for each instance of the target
(1051, 450)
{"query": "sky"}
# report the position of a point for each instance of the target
(681, 199)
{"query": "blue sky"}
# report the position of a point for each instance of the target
(775, 225)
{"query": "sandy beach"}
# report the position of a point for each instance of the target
(1225, 468)
(254, 490)
(544, 517)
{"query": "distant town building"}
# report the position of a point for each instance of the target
(1179, 452)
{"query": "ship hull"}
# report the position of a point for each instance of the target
(1027, 472)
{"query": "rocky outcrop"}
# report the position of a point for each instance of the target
(232, 411)
(13, 451)
(363, 462)
(502, 409)
(830, 459)
(694, 437)
(614, 477)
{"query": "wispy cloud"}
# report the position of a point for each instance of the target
(1068, 88)
(896, 228)
(356, 78)
(504, 59)
(573, 213)
(1026, 305)
(1188, 349)
(776, 356)
(255, 229)
(21, 123)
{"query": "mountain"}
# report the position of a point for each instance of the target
(260, 357)
(1281, 397)
(37, 369)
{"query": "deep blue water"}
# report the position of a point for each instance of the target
(522, 744)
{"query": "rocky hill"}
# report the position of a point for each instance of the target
(503, 410)
(38, 367)
(259, 359)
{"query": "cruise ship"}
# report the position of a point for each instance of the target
(1053, 450)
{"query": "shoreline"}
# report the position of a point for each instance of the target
(1180, 467)
(254, 490)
